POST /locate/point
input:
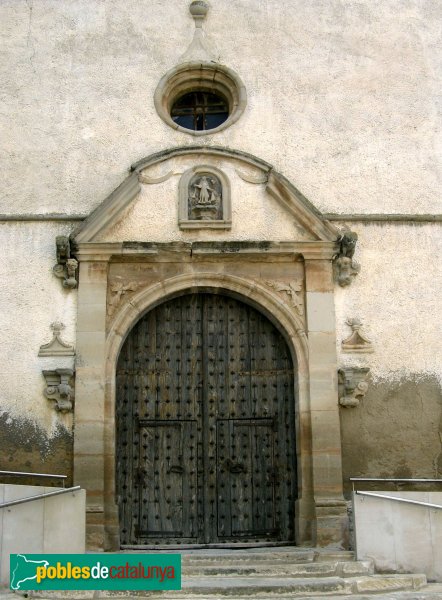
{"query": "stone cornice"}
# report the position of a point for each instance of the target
(104, 251)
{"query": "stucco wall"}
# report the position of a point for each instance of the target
(33, 436)
(341, 96)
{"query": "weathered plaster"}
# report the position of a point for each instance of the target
(341, 96)
(396, 295)
(24, 446)
(31, 298)
(396, 431)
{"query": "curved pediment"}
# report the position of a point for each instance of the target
(150, 205)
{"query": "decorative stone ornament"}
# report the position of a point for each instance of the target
(66, 267)
(346, 267)
(59, 389)
(118, 289)
(293, 291)
(199, 71)
(56, 346)
(356, 342)
(204, 199)
(352, 385)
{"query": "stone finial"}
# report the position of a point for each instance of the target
(59, 389)
(199, 49)
(198, 9)
(56, 346)
(352, 385)
(356, 342)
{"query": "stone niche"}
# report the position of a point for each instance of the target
(204, 199)
(277, 256)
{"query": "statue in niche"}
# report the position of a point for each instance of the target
(205, 198)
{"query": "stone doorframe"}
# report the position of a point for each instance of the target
(305, 315)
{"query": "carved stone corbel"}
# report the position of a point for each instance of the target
(66, 267)
(346, 267)
(59, 388)
(352, 385)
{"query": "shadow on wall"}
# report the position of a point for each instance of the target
(25, 447)
(396, 431)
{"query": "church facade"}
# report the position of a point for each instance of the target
(221, 232)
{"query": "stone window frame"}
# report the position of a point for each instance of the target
(197, 76)
(183, 217)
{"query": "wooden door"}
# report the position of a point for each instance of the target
(205, 426)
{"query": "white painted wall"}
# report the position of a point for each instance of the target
(342, 96)
(397, 297)
(31, 298)
(398, 536)
(45, 526)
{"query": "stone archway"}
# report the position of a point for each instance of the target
(291, 282)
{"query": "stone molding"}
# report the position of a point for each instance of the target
(202, 75)
(352, 385)
(59, 389)
(112, 208)
(128, 313)
(56, 347)
(96, 251)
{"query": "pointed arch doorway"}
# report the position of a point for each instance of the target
(205, 426)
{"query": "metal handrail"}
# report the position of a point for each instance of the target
(23, 474)
(372, 494)
(40, 496)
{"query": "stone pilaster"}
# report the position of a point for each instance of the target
(331, 519)
(90, 392)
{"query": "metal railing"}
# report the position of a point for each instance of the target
(405, 500)
(395, 480)
(41, 475)
(40, 496)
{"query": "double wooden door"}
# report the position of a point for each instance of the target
(205, 426)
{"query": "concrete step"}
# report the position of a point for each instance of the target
(255, 556)
(265, 587)
(273, 568)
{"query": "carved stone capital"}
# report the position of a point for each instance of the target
(352, 385)
(59, 388)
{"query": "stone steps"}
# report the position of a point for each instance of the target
(276, 573)
(275, 587)
(273, 568)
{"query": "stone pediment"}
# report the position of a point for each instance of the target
(150, 203)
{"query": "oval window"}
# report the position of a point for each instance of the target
(200, 110)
